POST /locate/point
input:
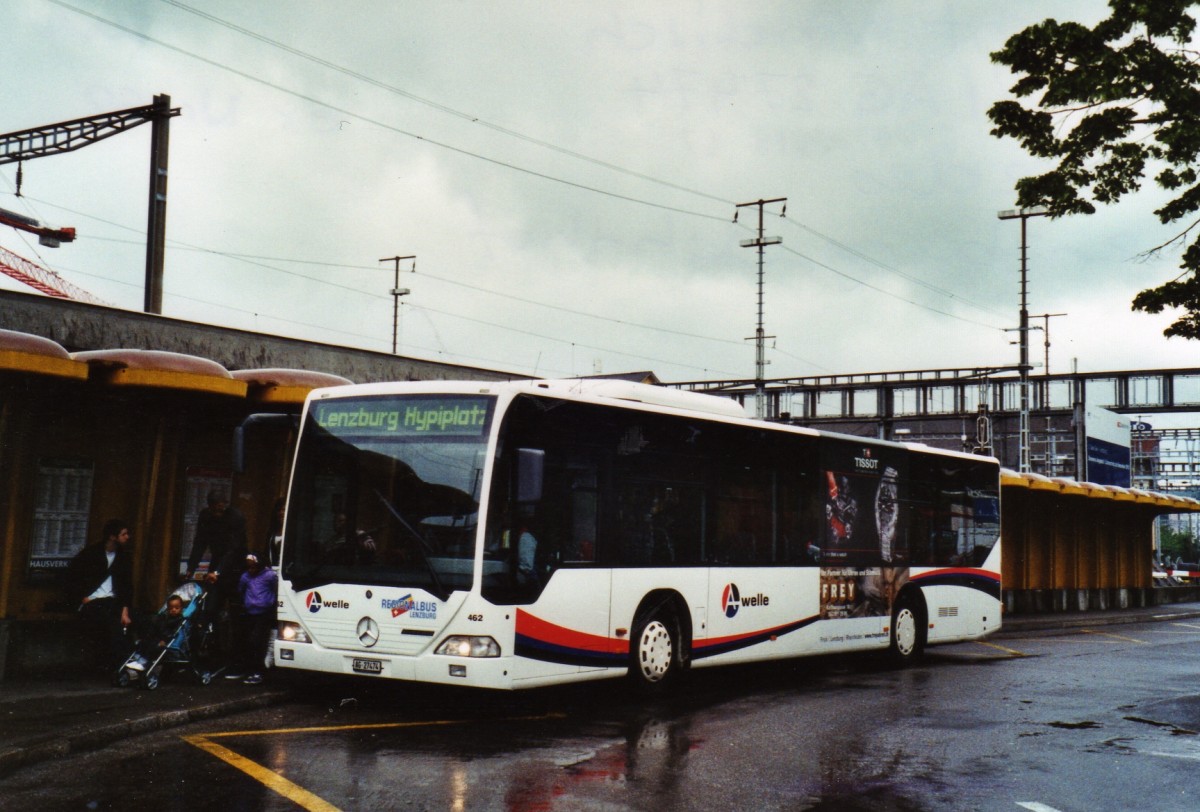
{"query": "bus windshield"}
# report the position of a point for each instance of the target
(386, 492)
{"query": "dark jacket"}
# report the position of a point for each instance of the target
(224, 537)
(163, 628)
(89, 568)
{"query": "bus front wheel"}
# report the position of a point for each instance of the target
(655, 651)
(908, 632)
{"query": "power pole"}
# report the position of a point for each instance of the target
(397, 292)
(67, 136)
(1045, 317)
(156, 209)
(760, 338)
(1023, 428)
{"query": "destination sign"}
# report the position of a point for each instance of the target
(408, 416)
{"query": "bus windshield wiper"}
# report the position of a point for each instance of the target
(422, 546)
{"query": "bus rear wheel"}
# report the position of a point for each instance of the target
(908, 632)
(655, 651)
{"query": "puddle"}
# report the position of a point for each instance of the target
(1074, 725)
(1175, 729)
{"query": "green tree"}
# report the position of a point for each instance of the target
(1112, 104)
(1173, 544)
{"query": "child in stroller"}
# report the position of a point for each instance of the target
(175, 638)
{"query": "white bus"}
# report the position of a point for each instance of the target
(512, 535)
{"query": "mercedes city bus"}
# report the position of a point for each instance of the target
(521, 534)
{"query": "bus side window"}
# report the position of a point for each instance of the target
(632, 532)
(744, 517)
(584, 505)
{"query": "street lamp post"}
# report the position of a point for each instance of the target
(397, 292)
(1023, 329)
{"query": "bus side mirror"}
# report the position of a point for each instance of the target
(531, 467)
(239, 433)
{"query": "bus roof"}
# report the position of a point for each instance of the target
(607, 389)
(600, 389)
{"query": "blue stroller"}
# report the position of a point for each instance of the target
(184, 651)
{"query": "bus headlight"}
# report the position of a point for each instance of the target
(290, 632)
(461, 645)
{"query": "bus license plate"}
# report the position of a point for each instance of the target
(367, 666)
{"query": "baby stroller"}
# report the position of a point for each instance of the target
(186, 649)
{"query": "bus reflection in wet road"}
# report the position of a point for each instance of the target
(790, 736)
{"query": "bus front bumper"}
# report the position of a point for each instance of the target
(478, 672)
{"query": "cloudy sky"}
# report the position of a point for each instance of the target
(567, 173)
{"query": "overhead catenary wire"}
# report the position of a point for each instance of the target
(334, 330)
(377, 122)
(884, 266)
(474, 119)
(540, 142)
(525, 170)
(826, 266)
(258, 261)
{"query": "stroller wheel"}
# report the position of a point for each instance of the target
(205, 678)
(121, 680)
(152, 679)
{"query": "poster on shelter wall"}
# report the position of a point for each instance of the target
(62, 504)
(200, 482)
(861, 486)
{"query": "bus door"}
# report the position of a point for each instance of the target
(561, 596)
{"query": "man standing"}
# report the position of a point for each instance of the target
(220, 530)
(100, 581)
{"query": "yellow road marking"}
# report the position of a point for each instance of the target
(376, 726)
(293, 792)
(1113, 636)
(1011, 651)
(268, 778)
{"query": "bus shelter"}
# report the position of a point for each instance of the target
(139, 435)
(1077, 546)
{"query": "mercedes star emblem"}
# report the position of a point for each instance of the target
(368, 632)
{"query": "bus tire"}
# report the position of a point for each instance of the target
(908, 630)
(655, 651)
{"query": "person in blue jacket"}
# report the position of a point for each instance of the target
(258, 587)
